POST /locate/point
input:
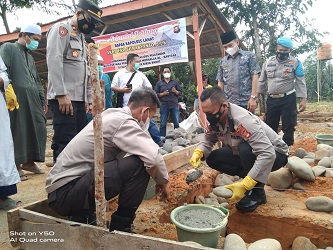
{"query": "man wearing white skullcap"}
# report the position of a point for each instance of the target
(32, 28)
(27, 122)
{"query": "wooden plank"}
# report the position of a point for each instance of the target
(68, 235)
(179, 158)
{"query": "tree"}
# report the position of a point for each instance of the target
(266, 20)
(311, 67)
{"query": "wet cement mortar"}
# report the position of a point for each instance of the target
(153, 216)
(199, 218)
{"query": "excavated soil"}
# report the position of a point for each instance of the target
(284, 217)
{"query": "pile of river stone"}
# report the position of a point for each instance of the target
(235, 242)
(178, 139)
(298, 166)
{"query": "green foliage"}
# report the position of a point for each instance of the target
(311, 65)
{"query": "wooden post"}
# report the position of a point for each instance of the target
(198, 59)
(97, 109)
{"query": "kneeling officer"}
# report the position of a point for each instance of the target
(250, 148)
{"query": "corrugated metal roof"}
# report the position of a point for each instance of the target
(138, 13)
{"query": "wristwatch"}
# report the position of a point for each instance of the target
(254, 97)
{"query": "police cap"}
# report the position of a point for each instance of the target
(92, 9)
(228, 36)
(285, 42)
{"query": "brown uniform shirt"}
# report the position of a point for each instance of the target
(248, 127)
(122, 136)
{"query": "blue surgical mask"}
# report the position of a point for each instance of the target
(33, 45)
(100, 68)
(136, 66)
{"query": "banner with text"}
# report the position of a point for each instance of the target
(156, 44)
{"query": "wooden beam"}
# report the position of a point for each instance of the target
(205, 45)
(179, 158)
(202, 25)
(197, 53)
(151, 12)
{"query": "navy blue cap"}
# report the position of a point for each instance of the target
(92, 9)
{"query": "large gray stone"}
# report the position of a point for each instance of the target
(199, 200)
(280, 179)
(265, 244)
(300, 168)
(222, 192)
(320, 204)
(311, 155)
(308, 160)
(329, 173)
(233, 242)
(212, 201)
(325, 162)
(222, 179)
(167, 147)
(318, 170)
(298, 186)
(320, 154)
(176, 148)
(212, 195)
(162, 151)
(303, 243)
(323, 146)
(300, 152)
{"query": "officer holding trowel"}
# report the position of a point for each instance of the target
(250, 148)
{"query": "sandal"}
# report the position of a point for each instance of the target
(23, 176)
(33, 168)
(9, 204)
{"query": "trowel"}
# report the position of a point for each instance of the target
(193, 176)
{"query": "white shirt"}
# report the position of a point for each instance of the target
(8, 170)
(121, 78)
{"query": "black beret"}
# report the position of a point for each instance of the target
(228, 36)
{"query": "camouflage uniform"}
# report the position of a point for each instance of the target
(236, 73)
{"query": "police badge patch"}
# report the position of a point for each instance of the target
(75, 53)
(242, 132)
(62, 31)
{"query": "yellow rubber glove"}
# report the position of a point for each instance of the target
(239, 188)
(11, 98)
(196, 158)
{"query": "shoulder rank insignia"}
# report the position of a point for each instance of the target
(242, 131)
(62, 31)
(75, 53)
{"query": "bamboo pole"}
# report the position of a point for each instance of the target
(97, 109)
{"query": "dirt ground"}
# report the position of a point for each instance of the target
(153, 217)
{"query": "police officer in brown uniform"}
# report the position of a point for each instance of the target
(250, 148)
(284, 77)
(68, 86)
(127, 164)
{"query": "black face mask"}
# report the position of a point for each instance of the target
(214, 119)
(282, 55)
(84, 26)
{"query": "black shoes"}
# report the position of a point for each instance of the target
(120, 223)
(88, 218)
(252, 199)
